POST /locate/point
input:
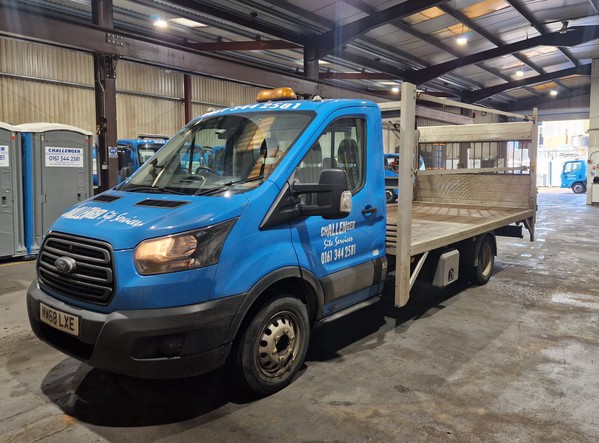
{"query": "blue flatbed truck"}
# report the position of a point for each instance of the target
(574, 176)
(182, 268)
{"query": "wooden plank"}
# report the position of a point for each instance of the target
(486, 132)
(495, 190)
(447, 102)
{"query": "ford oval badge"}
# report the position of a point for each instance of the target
(65, 264)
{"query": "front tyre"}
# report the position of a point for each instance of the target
(579, 188)
(272, 348)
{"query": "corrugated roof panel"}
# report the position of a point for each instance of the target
(520, 93)
(423, 16)
(483, 8)
(544, 86)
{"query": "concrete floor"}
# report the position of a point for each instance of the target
(514, 361)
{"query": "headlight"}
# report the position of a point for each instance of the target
(179, 252)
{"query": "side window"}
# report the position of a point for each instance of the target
(341, 146)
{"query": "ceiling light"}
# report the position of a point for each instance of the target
(553, 92)
(187, 23)
(395, 89)
(519, 73)
(160, 23)
(462, 40)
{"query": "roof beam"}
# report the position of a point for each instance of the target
(540, 27)
(253, 22)
(358, 4)
(93, 39)
(483, 32)
(357, 76)
(339, 36)
(573, 37)
(472, 97)
(252, 45)
(535, 102)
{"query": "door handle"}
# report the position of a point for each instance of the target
(369, 210)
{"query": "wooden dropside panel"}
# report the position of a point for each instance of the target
(490, 190)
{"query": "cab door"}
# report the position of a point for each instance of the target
(346, 255)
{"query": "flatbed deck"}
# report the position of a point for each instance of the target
(435, 225)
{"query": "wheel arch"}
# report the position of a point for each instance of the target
(469, 249)
(292, 280)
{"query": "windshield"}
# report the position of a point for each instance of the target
(232, 153)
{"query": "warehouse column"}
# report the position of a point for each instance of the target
(105, 85)
(593, 156)
(311, 63)
(187, 96)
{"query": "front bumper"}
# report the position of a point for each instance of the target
(151, 343)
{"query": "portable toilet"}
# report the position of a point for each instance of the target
(57, 164)
(12, 225)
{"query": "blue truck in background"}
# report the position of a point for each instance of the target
(391, 174)
(132, 153)
(574, 176)
(232, 254)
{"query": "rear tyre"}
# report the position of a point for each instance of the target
(273, 347)
(579, 188)
(389, 196)
(481, 273)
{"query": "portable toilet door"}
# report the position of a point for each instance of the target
(58, 175)
(12, 226)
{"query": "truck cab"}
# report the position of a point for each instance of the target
(574, 176)
(391, 174)
(197, 259)
(133, 153)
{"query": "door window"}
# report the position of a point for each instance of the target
(342, 146)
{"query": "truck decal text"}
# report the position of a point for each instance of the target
(96, 213)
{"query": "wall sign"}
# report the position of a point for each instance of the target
(4, 161)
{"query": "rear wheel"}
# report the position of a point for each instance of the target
(389, 196)
(579, 188)
(273, 346)
(481, 273)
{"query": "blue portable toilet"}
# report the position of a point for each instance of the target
(12, 235)
(57, 164)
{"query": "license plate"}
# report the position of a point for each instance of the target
(60, 320)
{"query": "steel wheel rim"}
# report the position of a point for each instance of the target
(485, 260)
(278, 344)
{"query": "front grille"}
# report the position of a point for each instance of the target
(92, 278)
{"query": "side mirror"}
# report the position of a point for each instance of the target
(333, 198)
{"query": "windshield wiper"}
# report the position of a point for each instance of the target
(152, 190)
(226, 185)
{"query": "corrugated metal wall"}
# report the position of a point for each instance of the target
(40, 83)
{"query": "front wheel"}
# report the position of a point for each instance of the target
(481, 273)
(579, 188)
(272, 348)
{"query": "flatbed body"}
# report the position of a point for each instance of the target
(435, 225)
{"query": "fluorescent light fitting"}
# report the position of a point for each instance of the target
(160, 23)
(553, 92)
(187, 23)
